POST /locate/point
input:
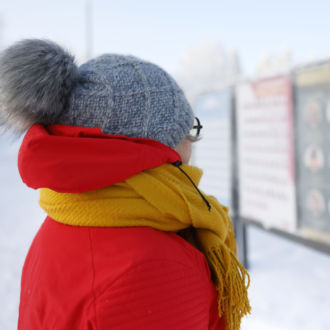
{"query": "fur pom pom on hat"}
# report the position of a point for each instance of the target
(36, 80)
(123, 95)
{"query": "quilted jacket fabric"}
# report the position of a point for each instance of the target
(115, 278)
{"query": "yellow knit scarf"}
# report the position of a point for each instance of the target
(164, 199)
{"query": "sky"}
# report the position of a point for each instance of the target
(163, 31)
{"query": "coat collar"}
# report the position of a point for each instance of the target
(78, 159)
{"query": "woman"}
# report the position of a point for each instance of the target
(129, 241)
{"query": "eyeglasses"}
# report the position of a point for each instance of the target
(194, 134)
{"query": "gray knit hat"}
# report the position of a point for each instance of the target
(123, 95)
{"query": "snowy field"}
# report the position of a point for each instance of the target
(290, 287)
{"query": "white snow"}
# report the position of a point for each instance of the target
(20, 217)
(290, 287)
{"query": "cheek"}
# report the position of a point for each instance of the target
(186, 152)
(189, 149)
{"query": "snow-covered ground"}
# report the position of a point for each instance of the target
(290, 287)
(20, 218)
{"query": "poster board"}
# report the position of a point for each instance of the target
(266, 170)
(312, 111)
(213, 152)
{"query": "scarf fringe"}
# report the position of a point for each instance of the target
(232, 282)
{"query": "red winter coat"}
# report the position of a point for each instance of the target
(106, 278)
